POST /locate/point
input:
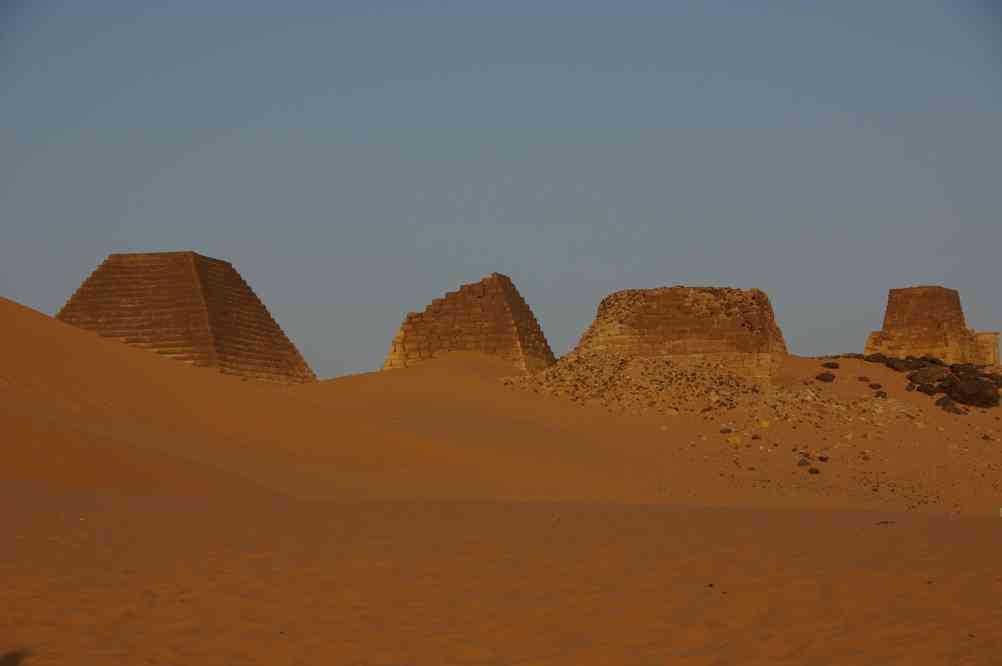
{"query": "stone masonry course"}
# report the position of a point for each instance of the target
(187, 307)
(489, 316)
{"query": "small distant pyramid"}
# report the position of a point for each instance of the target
(489, 316)
(187, 307)
(929, 321)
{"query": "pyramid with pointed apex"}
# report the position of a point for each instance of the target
(187, 307)
(489, 316)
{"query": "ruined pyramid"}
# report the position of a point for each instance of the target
(187, 307)
(929, 320)
(489, 316)
(732, 328)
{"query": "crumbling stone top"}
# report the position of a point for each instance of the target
(926, 306)
(685, 320)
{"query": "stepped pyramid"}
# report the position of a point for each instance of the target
(489, 316)
(187, 307)
(929, 320)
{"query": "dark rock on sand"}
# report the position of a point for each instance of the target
(965, 370)
(929, 375)
(904, 364)
(948, 405)
(974, 391)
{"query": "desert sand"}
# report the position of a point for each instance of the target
(156, 513)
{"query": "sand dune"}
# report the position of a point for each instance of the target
(163, 514)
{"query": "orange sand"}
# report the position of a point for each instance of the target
(155, 513)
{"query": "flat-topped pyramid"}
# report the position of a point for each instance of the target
(489, 316)
(733, 328)
(187, 307)
(929, 321)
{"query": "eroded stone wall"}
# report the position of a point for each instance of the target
(929, 321)
(988, 348)
(693, 325)
(189, 308)
(489, 316)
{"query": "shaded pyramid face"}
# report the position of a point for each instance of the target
(733, 328)
(187, 307)
(489, 316)
(929, 321)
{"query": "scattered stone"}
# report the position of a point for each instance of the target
(823, 458)
(910, 387)
(876, 387)
(882, 395)
(825, 377)
(813, 470)
(928, 389)
(726, 429)
(622, 382)
(803, 462)
(863, 379)
(830, 364)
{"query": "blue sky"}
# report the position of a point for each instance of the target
(356, 159)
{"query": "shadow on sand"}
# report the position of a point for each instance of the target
(15, 658)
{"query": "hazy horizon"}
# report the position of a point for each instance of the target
(355, 160)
